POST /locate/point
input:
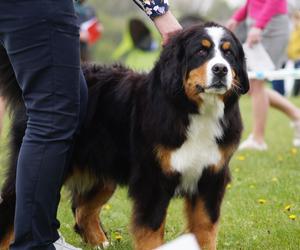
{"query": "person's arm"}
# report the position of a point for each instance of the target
(158, 11)
(241, 14)
(268, 11)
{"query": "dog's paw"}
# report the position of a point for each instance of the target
(104, 245)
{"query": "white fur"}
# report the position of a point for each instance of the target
(200, 150)
(216, 34)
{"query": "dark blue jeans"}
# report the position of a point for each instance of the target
(41, 40)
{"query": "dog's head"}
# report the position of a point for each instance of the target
(204, 60)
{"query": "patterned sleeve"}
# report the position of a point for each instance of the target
(153, 8)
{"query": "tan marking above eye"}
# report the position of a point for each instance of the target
(206, 43)
(226, 45)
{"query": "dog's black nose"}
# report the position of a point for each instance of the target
(220, 70)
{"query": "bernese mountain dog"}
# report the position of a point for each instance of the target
(170, 132)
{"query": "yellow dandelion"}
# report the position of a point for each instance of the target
(294, 151)
(252, 186)
(118, 237)
(274, 179)
(229, 186)
(107, 207)
(261, 201)
(279, 158)
(288, 207)
(236, 170)
(292, 216)
(241, 158)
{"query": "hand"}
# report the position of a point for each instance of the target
(84, 36)
(232, 24)
(167, 26)
(254, 36)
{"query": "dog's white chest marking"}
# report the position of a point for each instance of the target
(200, 150)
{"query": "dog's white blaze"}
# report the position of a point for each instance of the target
(200, 150)
(216, 34)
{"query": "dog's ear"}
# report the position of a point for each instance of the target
(172, 66)
(242, 75)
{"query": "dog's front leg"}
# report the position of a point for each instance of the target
(203, 207)
(148, 223)
(146, 237)
(201, 224)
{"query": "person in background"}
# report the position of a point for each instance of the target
(267, 23)
(138, 48)
(39, 41)
(294, 48)
(90, 27)
(2, 111)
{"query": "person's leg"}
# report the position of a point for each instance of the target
(260, 106)
(2, 111)
(284, 105)
(44, 52)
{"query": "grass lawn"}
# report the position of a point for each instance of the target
(261, 209)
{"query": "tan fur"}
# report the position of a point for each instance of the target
(87, 215)
(164, 156)
(201, 225)
(146, 238)
(196, 76)
(8, 239)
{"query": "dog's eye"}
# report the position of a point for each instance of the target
(202, 52)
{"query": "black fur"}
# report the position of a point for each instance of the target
(128, 115)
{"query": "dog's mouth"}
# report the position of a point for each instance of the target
(218, 87)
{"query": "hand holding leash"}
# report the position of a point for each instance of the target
(254, 36)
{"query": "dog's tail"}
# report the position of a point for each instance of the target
(11, 92)
(8, 191)
(9, 88)
(7, 211)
